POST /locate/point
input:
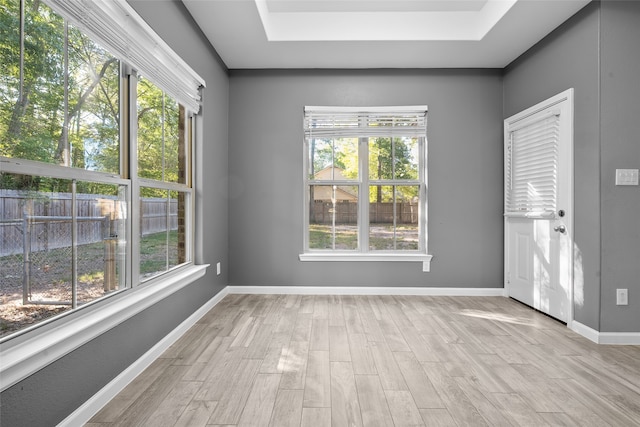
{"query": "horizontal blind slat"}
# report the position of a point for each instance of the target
(532, 168)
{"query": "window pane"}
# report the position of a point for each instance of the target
(333, 217)
(94, 85)
(406, 155)
(320, 158)
(333, 159)
(393, 217)
(380, 158)
(40, 122)
(177, 234)
(161, 127)
(393, 158)
(163, 237)
(346, 158)
(36, 231)
(32, 119)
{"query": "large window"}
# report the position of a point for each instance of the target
(96, 190)
(365, 181)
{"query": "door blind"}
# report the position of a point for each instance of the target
(532, 167)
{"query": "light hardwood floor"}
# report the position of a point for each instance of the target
(290, 360)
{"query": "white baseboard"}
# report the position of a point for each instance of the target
(613, 338)
(91, 407)
(356, 290)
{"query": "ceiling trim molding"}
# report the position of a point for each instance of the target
(454, 25)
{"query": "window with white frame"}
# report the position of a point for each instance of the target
(365, 182)
(96, 188)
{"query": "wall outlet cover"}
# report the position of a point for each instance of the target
(622, 297)
(626, 176)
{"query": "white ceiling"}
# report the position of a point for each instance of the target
(376, 33)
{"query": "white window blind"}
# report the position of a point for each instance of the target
(532, 167)
(119, 29)
(344, 122)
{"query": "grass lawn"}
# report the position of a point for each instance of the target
(51, 278)
(381, 237)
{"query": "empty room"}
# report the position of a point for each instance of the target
(319, 213)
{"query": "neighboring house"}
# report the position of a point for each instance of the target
(325, 193)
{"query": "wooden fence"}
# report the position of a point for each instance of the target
(346, 212)
(50, 219)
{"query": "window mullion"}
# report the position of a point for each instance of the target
(363, 194)
(65, 155)
(22, 21)
(168, 225)
(422, 208)
(74, 245)
(306, 190)
(395, 216)
(163, 130)
(135, 212)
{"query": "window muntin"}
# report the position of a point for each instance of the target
(379, 152)
(62, 136)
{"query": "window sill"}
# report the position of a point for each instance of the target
(25, 357)
(381, 257)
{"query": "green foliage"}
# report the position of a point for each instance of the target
(33, 113)
(158, 133)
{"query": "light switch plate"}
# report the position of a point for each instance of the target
(626, 176)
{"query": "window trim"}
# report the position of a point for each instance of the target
(24, 355)
(368, 256)
(28, 350)
(363, 253)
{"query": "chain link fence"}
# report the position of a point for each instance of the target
(36, 255)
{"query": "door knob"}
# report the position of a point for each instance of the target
(560, 228)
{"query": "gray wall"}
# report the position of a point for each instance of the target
(257, 177)
(620, 149)
(50, 395)
(464, 175)
(596, 53)
(568, 58)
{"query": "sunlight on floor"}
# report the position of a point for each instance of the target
(498, 317)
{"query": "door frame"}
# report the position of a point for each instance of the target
(568, 96)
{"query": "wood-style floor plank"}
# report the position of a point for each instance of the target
(345, 406)
(403, 409)
(316, 417)
(373, 403)
(318, 361)
(317, 385)
(288, 409)
(425, 395)
(437, 418)
(261, 401)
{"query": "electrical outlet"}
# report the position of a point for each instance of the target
(622, 297)
(218, 268)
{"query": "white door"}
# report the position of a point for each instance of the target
(539, 206)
